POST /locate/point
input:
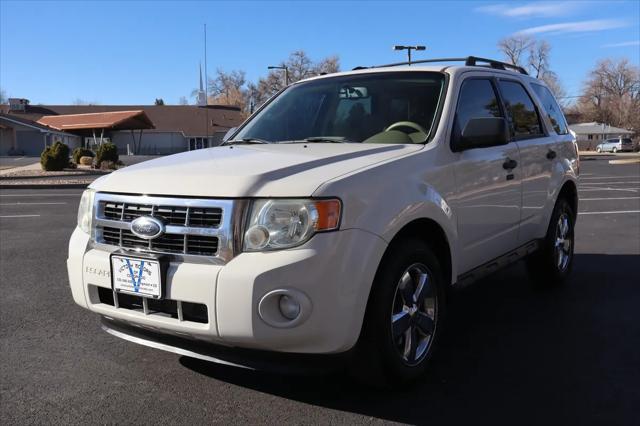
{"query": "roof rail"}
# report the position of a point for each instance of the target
(471, 61)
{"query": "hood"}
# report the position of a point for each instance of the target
(275, 170)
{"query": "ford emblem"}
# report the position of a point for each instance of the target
(147, 227)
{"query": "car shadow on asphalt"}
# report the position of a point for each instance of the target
(512, 353)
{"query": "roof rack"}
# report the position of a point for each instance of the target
(471, 61)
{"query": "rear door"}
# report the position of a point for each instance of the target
(538, 153)
(488, 191)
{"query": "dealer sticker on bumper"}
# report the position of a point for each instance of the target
(137, 276)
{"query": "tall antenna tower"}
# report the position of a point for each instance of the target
(206, 87)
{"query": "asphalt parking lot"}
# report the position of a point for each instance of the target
(512, 354)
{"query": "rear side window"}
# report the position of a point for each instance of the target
(477, 100)
(552, 109)
(521, 111)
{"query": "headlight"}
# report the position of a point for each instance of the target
(85, 211)
(280, 224)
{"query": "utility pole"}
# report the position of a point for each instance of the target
(408, 49)
(286, 72)
(206, 88)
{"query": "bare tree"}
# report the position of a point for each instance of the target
(539, 53)
(515, 47)
(328, 65)
(299, 66)
(612, 94)
(3, 97)
(80, 101)
(227, 88)
(183, 100)
(553, 83)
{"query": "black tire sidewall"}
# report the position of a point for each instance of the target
(377, 341)
(544, 265)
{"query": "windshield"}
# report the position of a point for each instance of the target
(397, 107)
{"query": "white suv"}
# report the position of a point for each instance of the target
(335, 219)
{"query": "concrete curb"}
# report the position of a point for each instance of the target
(46, 186)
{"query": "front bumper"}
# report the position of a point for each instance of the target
(333, 271)
(250, 359)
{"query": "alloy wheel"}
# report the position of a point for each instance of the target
(562, 246)
(413, 314)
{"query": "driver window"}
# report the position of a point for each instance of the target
(477, 99)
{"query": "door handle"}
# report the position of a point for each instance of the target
(509, 164)
(551, 154)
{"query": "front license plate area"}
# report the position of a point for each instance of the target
(142, 276)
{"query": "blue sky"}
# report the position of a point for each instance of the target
(132, 52)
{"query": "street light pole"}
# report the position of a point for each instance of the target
(409, 49)
(286, 72)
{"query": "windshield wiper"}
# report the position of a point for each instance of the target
(329, 139)
(248, 141)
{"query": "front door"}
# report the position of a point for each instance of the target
(488, 183)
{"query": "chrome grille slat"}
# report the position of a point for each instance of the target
(195, 229)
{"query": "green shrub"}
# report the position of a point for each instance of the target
(106, 152)
(81, 152)
(55, 157)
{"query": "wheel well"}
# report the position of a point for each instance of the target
(430, 232)
(569, 192)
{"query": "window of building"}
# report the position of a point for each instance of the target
(197, 143)
(521, 111)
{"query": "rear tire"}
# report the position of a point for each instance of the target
(615, 150)
(404, 317)
(552, 263)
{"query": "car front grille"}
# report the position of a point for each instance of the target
(167, 243)
(172, 215)
(193, 227)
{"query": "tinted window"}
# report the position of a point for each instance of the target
(477, 100)
(520, 110)
(552, 109)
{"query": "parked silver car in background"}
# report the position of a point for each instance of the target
(615, 145)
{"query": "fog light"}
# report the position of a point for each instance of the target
(289, 307)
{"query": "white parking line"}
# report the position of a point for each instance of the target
(606, 177)
(627, 182)
(613, 198)
(611, 212)
(29, 204)
(42, 195)
(607, 189)
(20, 215)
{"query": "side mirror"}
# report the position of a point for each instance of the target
(227, 135)
(483, 132)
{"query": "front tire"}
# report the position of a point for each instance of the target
(551, 265)
(598, 150)
(404, 316)
(615, 150)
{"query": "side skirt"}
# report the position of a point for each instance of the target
(497, 264)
